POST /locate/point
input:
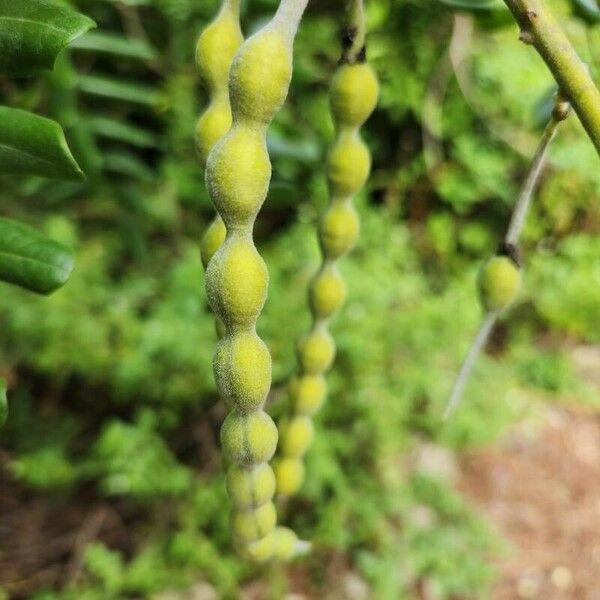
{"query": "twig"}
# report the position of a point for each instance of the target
(517, 220)
(465, 371)
(511, 242)
(539, 28)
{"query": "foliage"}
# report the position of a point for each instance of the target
(113, 388)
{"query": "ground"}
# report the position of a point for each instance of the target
(541, 490)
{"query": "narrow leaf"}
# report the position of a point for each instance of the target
(123, 132)
(34, 145)
(110, 43)
(126, 163)
(29, 259)
(33, 32)
(119, 90)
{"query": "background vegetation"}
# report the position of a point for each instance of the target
(114, 419)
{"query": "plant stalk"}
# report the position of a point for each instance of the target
(539, 28)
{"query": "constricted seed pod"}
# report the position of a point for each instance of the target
(250, 487)
(215, 50)
(339, 230)
(308, 394)
(238, 172)
(296, 436)
(353, 96)
(282, 544)
(254, 523)
(249, 439)
(349, 107)
(289, 473)
(327, 292)
(499, 283)
(212, 240)
(316, 351)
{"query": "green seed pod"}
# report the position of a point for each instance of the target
(211, 126)
(260, 551)
(339, 230)
(296, 436)
(353, 94)
(327, 292)
(316, 352)
(242, 367)
(249, 439)
(347, 106)
(289, 473)
(252, 524)
(348, 164)
(251, 487)
(308, 394)
(212, 240)
(238, 282)
(238, 193)
(258, 87)
(499, 283)
(215, 49)
(281, 544)
(238, 171)
(286, 544)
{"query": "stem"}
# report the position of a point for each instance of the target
(354, 34)
(533, 176)
(233, 5)
(539, 28)
(465, 371)
(290, 14)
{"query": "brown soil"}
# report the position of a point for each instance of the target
(542, 492)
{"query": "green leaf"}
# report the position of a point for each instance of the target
(126, 163)
(3, 402)
(123, 132)
(109, 43)
(474, 4)
(34, 145)
(118, 89)
(29, 259)
(33, 32)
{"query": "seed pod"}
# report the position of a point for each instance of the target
(296, 436)
(238, 172)
(289, 473)
(254, 523)
(327, 292)
(308, 394)
(316, 351)
(251, 487)
(499, 283)
(353, 96)
(215, 50)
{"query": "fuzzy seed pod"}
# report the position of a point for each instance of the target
(290, 475)
(215, 50)
(353, 96)
(248, 488)
(308, 394)
(499, 283)
(238, 172)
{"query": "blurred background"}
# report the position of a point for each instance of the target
(111, 483)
